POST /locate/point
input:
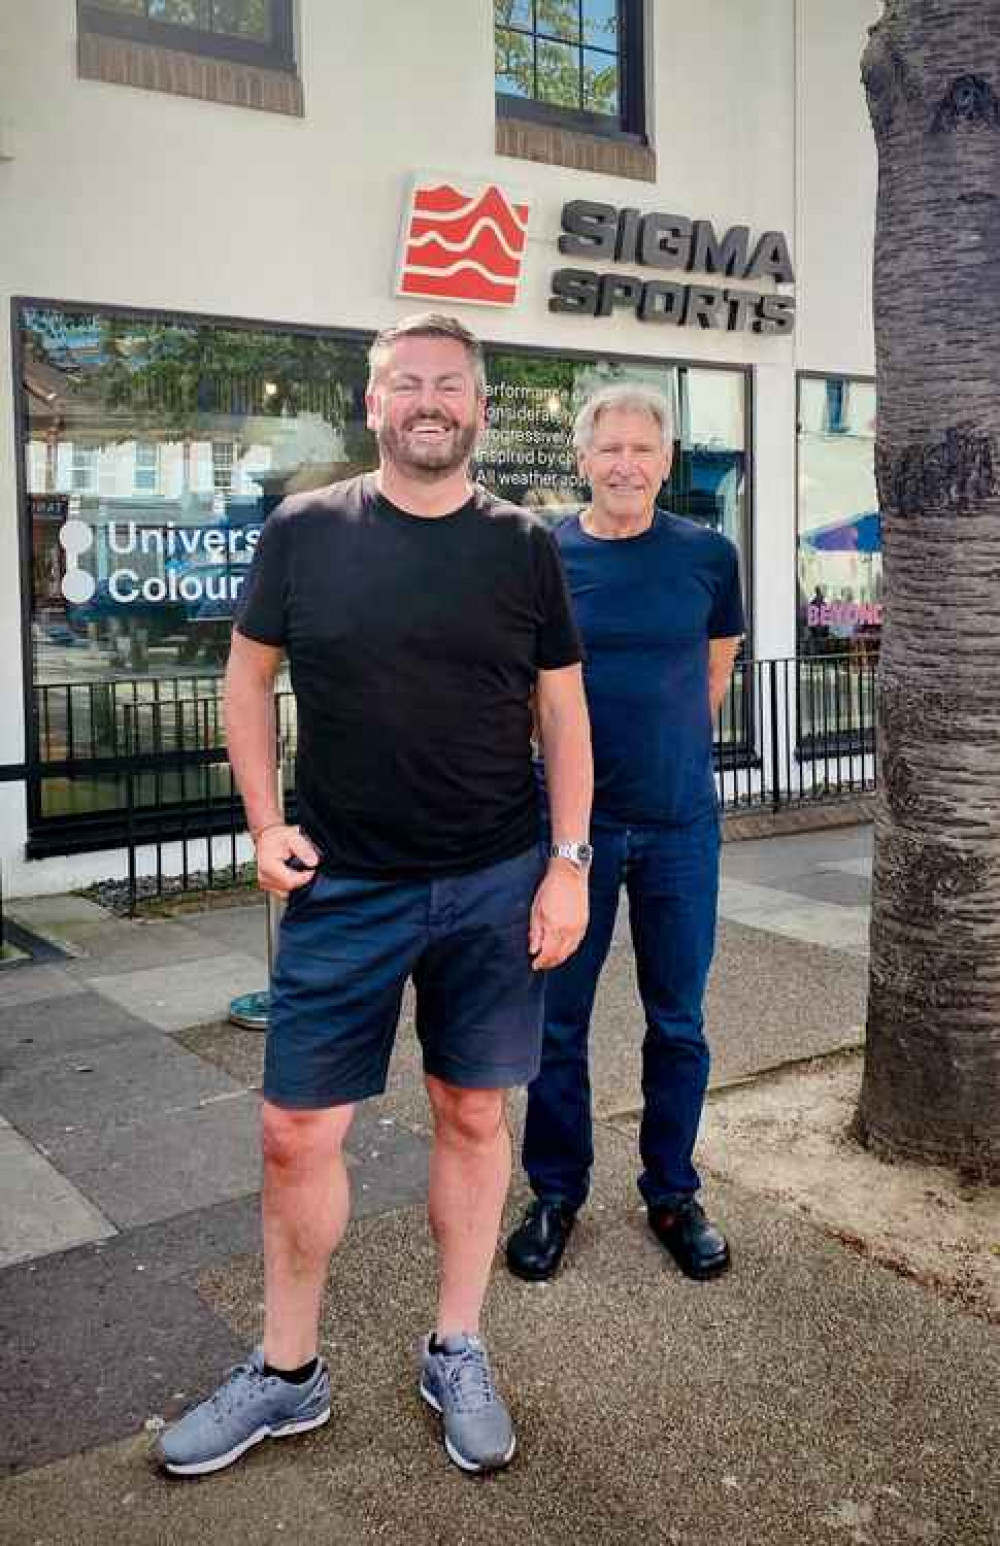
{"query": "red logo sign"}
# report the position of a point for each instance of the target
(463, 244)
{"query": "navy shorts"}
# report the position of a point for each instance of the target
(348, 945)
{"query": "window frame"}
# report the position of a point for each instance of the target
(630, 122)
(279, 54)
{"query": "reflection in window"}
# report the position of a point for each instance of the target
(527, 456)
(565, 54)
(839, 529)
(527, 453)
(155, 451)
(147, 468)
(233, 18)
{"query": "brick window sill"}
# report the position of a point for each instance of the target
(530, 141)
(151, 67)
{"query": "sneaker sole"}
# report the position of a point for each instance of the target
(219, 1463)
(462, 1461)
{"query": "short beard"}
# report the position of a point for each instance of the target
(435, 462)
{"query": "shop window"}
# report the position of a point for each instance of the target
(175, 45)
(141, 533)
(527, 456)
(573, 68)
(840, 596)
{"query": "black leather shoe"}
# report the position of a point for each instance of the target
(536, 1246)
(699, 1249)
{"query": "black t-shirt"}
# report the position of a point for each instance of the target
(414, 645)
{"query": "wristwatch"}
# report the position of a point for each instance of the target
(578, 854)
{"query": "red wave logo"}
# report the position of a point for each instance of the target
(461, 245)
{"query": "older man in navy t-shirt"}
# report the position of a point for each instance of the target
(658, 602)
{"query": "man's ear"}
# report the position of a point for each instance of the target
(373, 408)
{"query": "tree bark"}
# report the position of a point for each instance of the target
(931, 1085)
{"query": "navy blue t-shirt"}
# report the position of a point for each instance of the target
(646, 607)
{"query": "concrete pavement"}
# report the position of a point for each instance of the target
(810, 1396)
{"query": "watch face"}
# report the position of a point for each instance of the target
(585, 852)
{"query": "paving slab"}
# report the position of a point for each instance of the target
(767, 860)
(785, 912)
(177, 996)
(121, 1084)
(59, 912)
(59, 1027)
(136, 944)
(31, 984)
(168, 1163)
(858, 866)
(242, 929)
(40, 1211)
(92, 1355)
(845, 888)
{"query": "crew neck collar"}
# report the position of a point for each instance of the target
(651, 531)
(375, 496)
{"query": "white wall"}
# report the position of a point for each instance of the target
(835, 221)
(132, 197)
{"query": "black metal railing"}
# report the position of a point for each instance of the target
(142, 765)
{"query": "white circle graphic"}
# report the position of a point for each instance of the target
(76, 537)
(78, 586)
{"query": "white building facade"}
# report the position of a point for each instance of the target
(206, 210)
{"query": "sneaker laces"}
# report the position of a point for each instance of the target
(233, 1392)
(469, 1380)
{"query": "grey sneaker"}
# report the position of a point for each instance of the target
(456, 1380)
(247, 1407)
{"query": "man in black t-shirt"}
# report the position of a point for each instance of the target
(420, 618)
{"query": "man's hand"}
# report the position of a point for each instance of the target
(275, 846)
(558, 915)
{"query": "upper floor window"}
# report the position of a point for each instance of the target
(578, 63)
(247, 31)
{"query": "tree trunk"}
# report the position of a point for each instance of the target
(932, 1069)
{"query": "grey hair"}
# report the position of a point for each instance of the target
(622, 397)
(427, 324)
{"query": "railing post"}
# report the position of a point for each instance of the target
(130, 805)
(772, 688)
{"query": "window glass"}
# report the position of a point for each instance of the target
(600, 23)
(233, 18)
(155, 450)
(839, 529)
(527, 456)
(514, 63)
(527, 453)
(557, 77)
(558, 19)
(562, 53)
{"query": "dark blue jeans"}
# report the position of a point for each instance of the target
(671, 876)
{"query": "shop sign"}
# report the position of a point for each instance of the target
(666, 242)
(462, 242)
(840, 614)
(198, 563)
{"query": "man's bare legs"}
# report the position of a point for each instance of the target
(469, 1177)
(306, 1203)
